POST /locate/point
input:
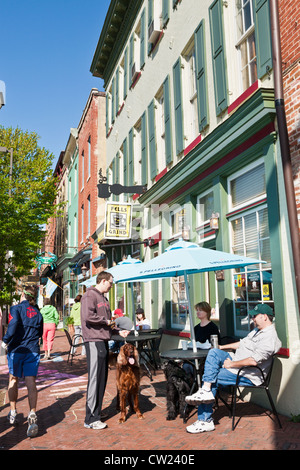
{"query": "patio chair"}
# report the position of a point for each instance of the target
(73, 343)
(235, 388)
(151, 348)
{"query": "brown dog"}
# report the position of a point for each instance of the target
(128, 380)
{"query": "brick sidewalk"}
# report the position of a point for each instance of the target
(61, 411)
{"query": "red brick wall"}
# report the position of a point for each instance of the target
(289, 16)
(89, 128)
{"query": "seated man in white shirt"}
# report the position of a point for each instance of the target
(221, 367)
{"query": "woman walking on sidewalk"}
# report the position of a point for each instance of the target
(51, 319)
(75, 314)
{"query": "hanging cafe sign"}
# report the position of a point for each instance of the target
(43, 259)
(117, 220)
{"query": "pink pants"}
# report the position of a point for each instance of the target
(48, 336)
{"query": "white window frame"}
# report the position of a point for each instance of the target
(241, 211)
(244, 38)
(185, 324)
(235, 175)
(191, 126)
(89, 157)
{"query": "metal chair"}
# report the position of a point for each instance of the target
(151, 348)
(73, 343)
(235, 388)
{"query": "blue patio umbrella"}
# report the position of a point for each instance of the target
(183, 259)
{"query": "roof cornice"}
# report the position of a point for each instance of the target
(117, 26)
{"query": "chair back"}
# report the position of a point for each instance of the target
(68, 337)
(269, 374)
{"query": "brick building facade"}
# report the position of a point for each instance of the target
(91, 157)
(289, 16)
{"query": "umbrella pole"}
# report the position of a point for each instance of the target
(192, 326)
(132, 301)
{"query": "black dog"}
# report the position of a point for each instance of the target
(178, 387)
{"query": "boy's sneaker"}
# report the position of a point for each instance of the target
(201, 426)
(12, 417)
(201, 396)
(32, 425)
(95, 425)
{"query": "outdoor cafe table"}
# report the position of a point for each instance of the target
(142, 339)
(187, 355)
(184, 354)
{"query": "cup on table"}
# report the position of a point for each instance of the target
(184, 345)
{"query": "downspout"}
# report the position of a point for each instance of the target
(284, 143)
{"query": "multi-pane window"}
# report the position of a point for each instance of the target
(191, 117)
(82, 170)
(178, 222)
(82, 223)
(89, 157)
(179, 304)
(250, 237)
(246, 42)
(160, 126)
(89, 216)
(205, 209)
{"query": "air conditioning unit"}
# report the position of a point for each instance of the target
(154, 30)
(134, 71)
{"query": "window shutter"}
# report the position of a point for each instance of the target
(152, 140)
(143, 30)
(150, 12)
(117, 168)
(144, 161)
(218, 54)
(165, 11)
(167, 117)
(201, 77)
(131, 56)
(125, 73)
(130, 158)
(150, 18)
(116, 172)
(178, 106)
(117, 90)
(262, 36)
(107, 113)
(125, 162)
(113, 100)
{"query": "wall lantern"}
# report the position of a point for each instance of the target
(214, 221)
(84, 270)
(185, 233)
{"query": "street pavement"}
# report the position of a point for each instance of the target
(61, 411)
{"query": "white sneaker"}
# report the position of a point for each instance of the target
(32, 424)
(202, 396)
(201, 426)
(95, 425)
(12, 417)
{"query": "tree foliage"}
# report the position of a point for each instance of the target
(30, 204)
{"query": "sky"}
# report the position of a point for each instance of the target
(47, 47)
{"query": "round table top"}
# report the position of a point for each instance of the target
(140, 337)
(187, 354)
